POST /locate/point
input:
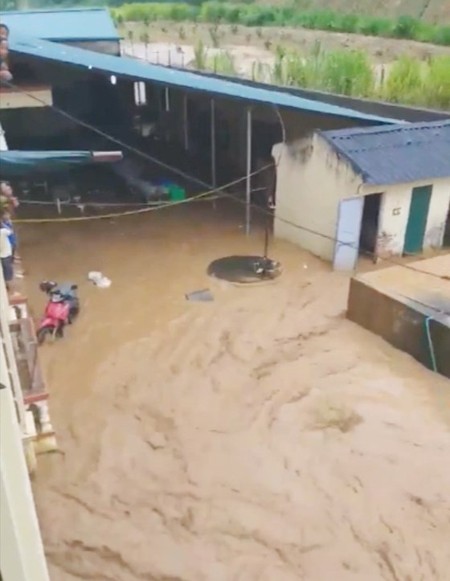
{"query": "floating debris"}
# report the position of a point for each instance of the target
(245, 269)
(99, 279)
(200, 296)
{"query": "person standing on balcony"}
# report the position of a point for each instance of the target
(6, 254)
(7, 198)
(7, 223)
(5, 74)
(8, 203)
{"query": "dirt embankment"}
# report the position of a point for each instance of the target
(258, 437)
(266, 40)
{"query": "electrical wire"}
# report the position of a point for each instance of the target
(89, 204)
(430, 344)
(219, 189)
(134, 149)
(146, 156)
(107, 136)
(205, 195)
(336, 240)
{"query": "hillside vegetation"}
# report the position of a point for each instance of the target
(433, 11)
(412, 73)
(285, 15)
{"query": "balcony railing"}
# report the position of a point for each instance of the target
(22, 555)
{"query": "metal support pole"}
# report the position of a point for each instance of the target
(213, 144)
(167, 99)
(248, 193)
(185, 122)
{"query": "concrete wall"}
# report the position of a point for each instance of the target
(437, 214)
(393, 220)
(401, 323)
(394, 213)
(311, 180)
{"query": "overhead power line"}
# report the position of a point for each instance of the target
(217, 190)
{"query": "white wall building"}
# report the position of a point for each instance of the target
(383, 191)
(22, 555)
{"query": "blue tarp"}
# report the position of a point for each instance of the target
(19, 163)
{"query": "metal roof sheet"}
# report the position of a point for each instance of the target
(395, 153)
(83, 24)
(20, 163)
(182, 79)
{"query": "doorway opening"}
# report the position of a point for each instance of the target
(447, 230)
(369, 225)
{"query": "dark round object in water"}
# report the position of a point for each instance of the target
(244, 269)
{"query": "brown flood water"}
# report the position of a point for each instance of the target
(260, 437)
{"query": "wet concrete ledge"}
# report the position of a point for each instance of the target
(398, 305)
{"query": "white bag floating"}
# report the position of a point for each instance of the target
(99, 279)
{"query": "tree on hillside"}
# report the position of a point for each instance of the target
(145, 39)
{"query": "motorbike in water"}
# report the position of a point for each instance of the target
(62, 308)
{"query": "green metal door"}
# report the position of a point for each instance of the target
(417, 220)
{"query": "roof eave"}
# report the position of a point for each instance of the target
(80, 58)
(93, 39)
(373, 182)
(342, 154)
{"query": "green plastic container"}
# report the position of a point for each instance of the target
(177, 194)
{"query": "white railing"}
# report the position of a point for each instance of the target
(7, 345)
(22, 555)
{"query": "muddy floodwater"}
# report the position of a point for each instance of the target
(258, 437)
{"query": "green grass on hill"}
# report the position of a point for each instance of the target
(252, 14)
(433, 11)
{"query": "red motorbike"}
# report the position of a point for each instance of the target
(62, 308)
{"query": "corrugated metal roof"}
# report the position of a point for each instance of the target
(396, 153)
(84, 24)
(403, 113)
(182, 79)
(21, 163)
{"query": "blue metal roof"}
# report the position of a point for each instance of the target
(84, 24)
(21, 163)
(396, 153)
(182, 79)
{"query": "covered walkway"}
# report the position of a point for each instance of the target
(189, 81)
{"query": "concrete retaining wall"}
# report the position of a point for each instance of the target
(400, 322)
